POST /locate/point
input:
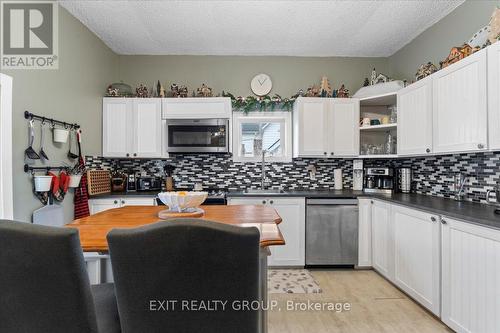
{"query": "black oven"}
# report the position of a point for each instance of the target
(197, 135)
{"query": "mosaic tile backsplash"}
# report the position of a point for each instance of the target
(433, 175)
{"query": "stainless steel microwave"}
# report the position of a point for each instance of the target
(197, 135)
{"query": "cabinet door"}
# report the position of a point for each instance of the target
(100, 205)
(365, 233)
(138, 201)
(292, 212)
(117, 129)
(415, 118)
(196, 108)
(417, 255)
(344, 127)
(494, 96)
(382, 240)
(147, 127)
(459, 106)
(310, 127)
(470, 277)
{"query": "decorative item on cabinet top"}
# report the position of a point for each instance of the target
(425, 70)
(494, 26)
(457, 53)
(264, 103)
(119, 89)
(142, 91)
(204, 91)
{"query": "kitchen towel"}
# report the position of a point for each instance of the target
(337, 176)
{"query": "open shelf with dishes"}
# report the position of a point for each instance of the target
(378, 126)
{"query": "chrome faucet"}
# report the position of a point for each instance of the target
(263, 178)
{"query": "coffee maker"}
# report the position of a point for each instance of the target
(379, 180)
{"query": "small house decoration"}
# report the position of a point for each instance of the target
(326, 90)
(425, 70)
(494, 33)
(343, 92)
(112, 92)
(183, 91)
(204, 91)
(366, 83)
(380, 78)
(174, 90)
(457, 53)
(142, 91)
(313, 91)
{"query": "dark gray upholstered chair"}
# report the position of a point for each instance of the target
(44, 286)
(185, 259)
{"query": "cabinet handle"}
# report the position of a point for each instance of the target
(123, 202)
(480, 146)
(127, 155)
(325, 153)
(428, 150)
(371, 201)
(135, 154)
(115, 202)
(271, 202)
(332, 153)
(443, 221)
(433, 219)
(263, 202)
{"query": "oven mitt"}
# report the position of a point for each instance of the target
(64, 182)
(56, 187)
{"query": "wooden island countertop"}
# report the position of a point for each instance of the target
(93, 229)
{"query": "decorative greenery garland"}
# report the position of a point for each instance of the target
(265, 103)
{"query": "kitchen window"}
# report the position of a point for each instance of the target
(262, 131)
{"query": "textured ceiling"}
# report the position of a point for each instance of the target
(265, 27)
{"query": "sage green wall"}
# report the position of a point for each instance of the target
(72, 93)
(233, 73)
(435, 43)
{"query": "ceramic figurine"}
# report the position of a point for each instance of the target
(183, 91)
(457, 53)
(366, 83)
(142, 91)
(343, 92)
(373, 78)
(494, 25)
(112, 92)
(174, 90)
(162, 92)
(425, 70)
(313, 91)
(326, 90)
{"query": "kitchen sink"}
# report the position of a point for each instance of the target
(263, 191)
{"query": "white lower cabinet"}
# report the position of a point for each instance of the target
(417, 255)
(470, 277)
(365, 233)
(382, 239)
(100, 205)
(292, 212)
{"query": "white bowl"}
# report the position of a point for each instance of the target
(180, 201)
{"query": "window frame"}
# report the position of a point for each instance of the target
(282, 117)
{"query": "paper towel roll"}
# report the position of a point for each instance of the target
(337, 176)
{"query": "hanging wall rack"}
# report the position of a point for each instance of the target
(28, 168)
(29, 115)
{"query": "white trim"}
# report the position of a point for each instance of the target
(6, 195)
(283, 117)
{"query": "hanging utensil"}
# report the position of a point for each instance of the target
(30, 152)
(71, 155)
(42, 136)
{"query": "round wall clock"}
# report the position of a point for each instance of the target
(261, 84)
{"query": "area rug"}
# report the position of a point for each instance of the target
(291, 281)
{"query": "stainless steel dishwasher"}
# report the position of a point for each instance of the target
(331, 232)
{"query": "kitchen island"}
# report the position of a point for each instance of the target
(93, 230)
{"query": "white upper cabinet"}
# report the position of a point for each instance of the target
(344, 123)
(196, 108)
(326, 127)
(310, 127)
(494, 96)
(417, 255)
(131, 127)
(415, 118)
(459, 106)
(117, 128)
(148, 127)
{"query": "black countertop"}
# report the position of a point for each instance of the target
(476, 213)
(146, 194)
